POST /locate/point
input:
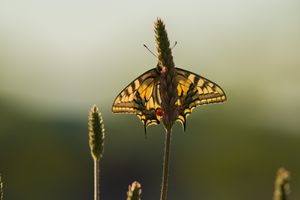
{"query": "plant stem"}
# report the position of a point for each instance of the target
(165, 173)
(96, 179)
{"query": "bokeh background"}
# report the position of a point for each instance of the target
(59, 57)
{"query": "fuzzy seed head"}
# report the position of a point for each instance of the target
(168, 81)
(165, 58)
(134, 191)
(282, 187)
(96, 133)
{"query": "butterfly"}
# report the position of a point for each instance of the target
(166, 92)
(142, 97)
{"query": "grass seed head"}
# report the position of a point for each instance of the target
(134, 191)
(96, 133)
(168, 81)
(282, 186)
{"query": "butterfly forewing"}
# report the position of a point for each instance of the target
(141, 97)
(194, 90)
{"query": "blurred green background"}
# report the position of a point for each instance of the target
(58, 58)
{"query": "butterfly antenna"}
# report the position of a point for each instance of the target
(149, 50)
(174, 45)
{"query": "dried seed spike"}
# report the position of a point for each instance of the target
(134, 191)
(168, 81)
(96, 133)
(282, 186)
(165, 58)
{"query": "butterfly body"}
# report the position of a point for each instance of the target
(166, 93)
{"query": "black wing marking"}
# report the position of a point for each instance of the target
(141, 97)
(193, 91)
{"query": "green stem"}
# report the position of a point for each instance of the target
(165, 173)
(96, 179)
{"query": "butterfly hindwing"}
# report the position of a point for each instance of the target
(141, 97)
(194, 90)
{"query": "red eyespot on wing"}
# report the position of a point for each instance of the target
(159, 112)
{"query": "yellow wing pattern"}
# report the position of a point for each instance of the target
(141, 97)
(194, 90)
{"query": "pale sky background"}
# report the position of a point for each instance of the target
(59, 57)
(67, 55)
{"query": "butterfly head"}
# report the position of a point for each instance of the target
(161, 69)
